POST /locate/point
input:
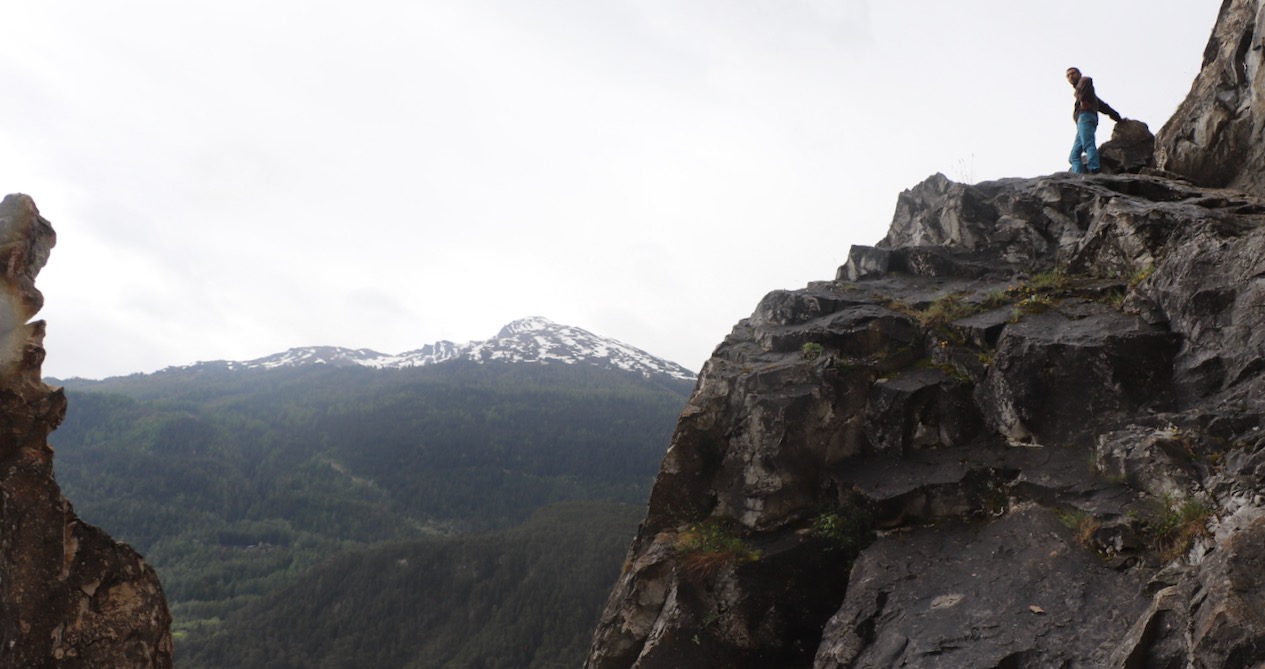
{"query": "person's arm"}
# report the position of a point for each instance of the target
(1106, 109)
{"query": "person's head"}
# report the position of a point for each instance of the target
(1073, 75)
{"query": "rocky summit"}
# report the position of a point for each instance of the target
(1023, 430)
(70, 596)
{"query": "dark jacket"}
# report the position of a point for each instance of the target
(1087, 101)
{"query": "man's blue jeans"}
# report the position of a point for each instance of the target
(1086, 126)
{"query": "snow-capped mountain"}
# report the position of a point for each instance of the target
(528, 340)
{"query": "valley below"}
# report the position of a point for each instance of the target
(324, 515)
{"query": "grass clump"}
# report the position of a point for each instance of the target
(708, 546)
(1141, 275)
(811, 350)
(996, 299)
(1055, 279)
(1034, 303)
(1177, 524)
(846, 528)
(1037, 295)
(945, 310)
(1082, 523)
(942, 311)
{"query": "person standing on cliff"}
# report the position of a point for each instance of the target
(1085, 114)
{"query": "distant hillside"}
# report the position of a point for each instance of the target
(528, 340)
(237, 482)
(526, 598)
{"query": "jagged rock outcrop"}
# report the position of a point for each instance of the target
(1023, 430)
(70, 596)
(1214, 137)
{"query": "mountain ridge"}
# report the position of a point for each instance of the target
(531, 340)
(318, 459)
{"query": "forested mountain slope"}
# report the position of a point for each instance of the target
(525, 598)
(235, 483)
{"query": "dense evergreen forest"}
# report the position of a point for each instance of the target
(527, 598)
(235, 484)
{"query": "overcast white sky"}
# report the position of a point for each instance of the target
(230, 179)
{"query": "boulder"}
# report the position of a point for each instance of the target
(1131, 149)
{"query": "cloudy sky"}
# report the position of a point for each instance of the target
(230, 179)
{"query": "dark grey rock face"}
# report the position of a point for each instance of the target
(1214, 136)
(1017, 591)
(1024, 430)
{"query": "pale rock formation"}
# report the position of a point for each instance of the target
(70, 596)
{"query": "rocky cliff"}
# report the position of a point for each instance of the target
(70, 596)
(1023, 430)
(1214, 136)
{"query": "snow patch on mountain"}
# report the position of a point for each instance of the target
(527, 340)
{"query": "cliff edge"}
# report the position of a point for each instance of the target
(70, 596)
(1023, 430)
